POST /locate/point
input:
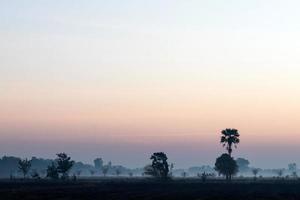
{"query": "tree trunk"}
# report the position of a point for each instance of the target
(229, 150)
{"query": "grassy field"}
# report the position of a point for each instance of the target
(138, 188)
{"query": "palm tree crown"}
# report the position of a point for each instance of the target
(230, 137)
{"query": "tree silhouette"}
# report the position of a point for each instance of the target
(35, 174)
(105, 170)
(52, 171)
(92, 172)
(24, 166)
(226, 166)
(230, 137)
(280, 173)
(64, 164)
(118, 172)
(43, 172)
(171, 169)
(243, 164)
(294, 174)
(98, 163)
(292, 167)
(255, 172)
(203, 176)
(78, 172)
(160, 164)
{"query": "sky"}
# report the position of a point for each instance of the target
(123, 79)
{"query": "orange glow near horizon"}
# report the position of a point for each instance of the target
(198, 112)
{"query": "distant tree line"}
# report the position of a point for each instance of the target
(64, 168)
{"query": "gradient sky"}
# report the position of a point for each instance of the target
(122, 79)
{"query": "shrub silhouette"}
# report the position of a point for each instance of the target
(204, 177)
(24, 166)
(105, 170)
(230, 137)
(294, 175)
(35, 175)
(279, 172)
(149, 170)
(226, 166)
(92, 172)
(292, 167)
(52, 171)
(255, 172)
(118, 172)
(184, 174)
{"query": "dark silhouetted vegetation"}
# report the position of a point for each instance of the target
(149, 170)
(118, 172)
(184, 174)
(292, 167)
(52, 171)
(160, 166)
(230, 137)
(98, 163)
(35, 175)
(226, 166)
(105, 170)
(24, 166)
(243, 164)
(92, 172)
(64, 164)
(255, 172)
(196, 182)
(279, 172)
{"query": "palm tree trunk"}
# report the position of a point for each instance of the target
(229, 150)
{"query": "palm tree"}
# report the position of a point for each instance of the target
(230, 137)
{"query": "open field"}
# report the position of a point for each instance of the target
(140, 188)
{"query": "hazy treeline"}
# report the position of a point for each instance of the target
(63, 167)
(9, 167)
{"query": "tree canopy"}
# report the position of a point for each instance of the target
(64, 164)
(226, 166)
(159, 166)
(24, 166)
(243, 164)
(230, 137)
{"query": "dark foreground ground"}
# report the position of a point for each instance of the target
(149, 189)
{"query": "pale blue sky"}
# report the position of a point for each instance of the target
(128, 34)
(142, 69)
